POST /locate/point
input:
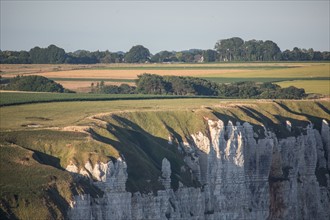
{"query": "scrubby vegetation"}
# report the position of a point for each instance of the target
(32, 83)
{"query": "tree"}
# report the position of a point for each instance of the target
(137, 54)
(210, 55)
(270, 51)
(38, 55)
(51, 54)
(250, 49)
(163, 56)
(55, 54)
(151, 84)
(229, 49)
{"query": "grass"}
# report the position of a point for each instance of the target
(305, 71)
(75, 113)
(17, 98)
(66, 146)
(25, 193)
(310, 86)
(40, 187)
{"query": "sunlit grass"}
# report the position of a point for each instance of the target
(306, 71)
(310, 86)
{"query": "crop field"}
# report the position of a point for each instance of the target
(79, 77)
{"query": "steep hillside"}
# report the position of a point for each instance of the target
(148, 158)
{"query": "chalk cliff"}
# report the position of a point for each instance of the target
(240, 176)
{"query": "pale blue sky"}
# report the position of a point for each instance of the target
(161, 25)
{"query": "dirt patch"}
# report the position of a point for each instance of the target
(82, 129)
(32, 125)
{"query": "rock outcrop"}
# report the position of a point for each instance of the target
(241, 177)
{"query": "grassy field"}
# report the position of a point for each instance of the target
(73, 113)
(310, 86)
(8, 98)
(79, 77)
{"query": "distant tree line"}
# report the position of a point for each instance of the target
(31, 83)
(225, 50)
(191, 86)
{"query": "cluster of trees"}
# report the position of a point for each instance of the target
(86, 57)
(186, 56)
(178, 85)
(174, 85)
(31, 83)
(191, 86)
(55, 55)
(225, 50)
(304, 55)
(235, 49)
(112, 89)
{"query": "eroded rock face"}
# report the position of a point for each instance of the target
(242, 178)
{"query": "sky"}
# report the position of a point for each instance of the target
(161, 25)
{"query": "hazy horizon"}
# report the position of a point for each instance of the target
(161, 25)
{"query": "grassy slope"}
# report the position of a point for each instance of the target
(137, 129)
(40, 186)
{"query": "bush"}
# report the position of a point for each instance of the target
(33, 83)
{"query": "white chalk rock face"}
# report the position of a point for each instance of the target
(242, 177)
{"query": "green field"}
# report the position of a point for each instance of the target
(18, 98)
(310, 86)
